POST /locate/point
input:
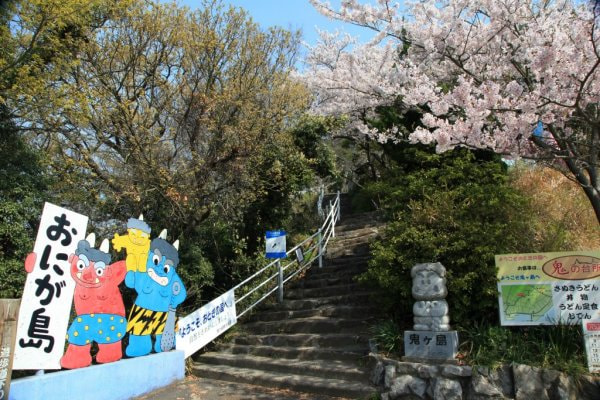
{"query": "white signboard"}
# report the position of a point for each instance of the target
(275, 244)
(48, 293)
(591, 336)
(206, 323)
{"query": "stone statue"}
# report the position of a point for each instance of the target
(429, 289)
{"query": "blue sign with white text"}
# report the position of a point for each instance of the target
(275, 244)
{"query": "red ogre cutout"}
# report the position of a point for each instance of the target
(98, 304)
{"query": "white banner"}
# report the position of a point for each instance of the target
(206, 323)
(48, 293)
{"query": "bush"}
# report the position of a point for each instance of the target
(456, 208)
(555, 347)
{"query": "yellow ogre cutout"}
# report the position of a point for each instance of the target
(136, 243)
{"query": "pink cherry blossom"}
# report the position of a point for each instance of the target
(483, 72)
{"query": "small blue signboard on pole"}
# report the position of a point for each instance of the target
(275, 244)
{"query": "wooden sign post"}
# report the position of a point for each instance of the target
(9, 310)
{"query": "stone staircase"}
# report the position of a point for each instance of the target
(316, 341)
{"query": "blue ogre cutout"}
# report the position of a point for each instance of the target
(160, 290)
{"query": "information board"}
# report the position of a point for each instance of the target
(548, 288)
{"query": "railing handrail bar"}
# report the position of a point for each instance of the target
(256, 288)
(326, 230)
(301, 243)
(329, 216)
(253, 275)
(302, 268)
(270, 292)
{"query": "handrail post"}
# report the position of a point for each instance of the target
(320, 248)
(333, 220)
(339, 210)
(280, 282)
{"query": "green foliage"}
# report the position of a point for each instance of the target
(197, 273)
(456, 208)
(310, 134)
(188, 117)
(555, 347)
(388, 336)
(22, 186)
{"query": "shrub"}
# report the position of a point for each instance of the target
(556, 347)
(456, 208)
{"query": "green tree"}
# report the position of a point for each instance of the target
(22, 192)
(182, 115)
(39, 41)
(167, 109)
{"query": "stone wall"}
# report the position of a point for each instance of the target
(409, 380)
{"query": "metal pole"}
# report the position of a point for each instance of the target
(280, 282)
(320, 248)
(339, 210)
(333, 222)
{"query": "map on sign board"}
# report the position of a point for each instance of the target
(548, 288)
(530, 303)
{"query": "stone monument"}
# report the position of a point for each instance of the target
(431, 339)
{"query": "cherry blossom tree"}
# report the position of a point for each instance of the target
(519, 77)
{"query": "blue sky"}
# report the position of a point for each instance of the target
(292, 15)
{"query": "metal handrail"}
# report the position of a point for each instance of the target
(322, 236)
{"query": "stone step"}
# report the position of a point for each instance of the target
(336, 270)
(351, 354)
(367, 232)
(358, 250)
(300, 293)
(356, 227)
(342, 263)
(344, 260)
(325, 369)
(363, 297)
(310, 325)
(322, 282)
(348, 274)
(353, 224)
(355, 240)
(342, 311)
(303, 340)
(339, 243)
(300, 383)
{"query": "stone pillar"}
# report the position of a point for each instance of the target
(431, 339)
